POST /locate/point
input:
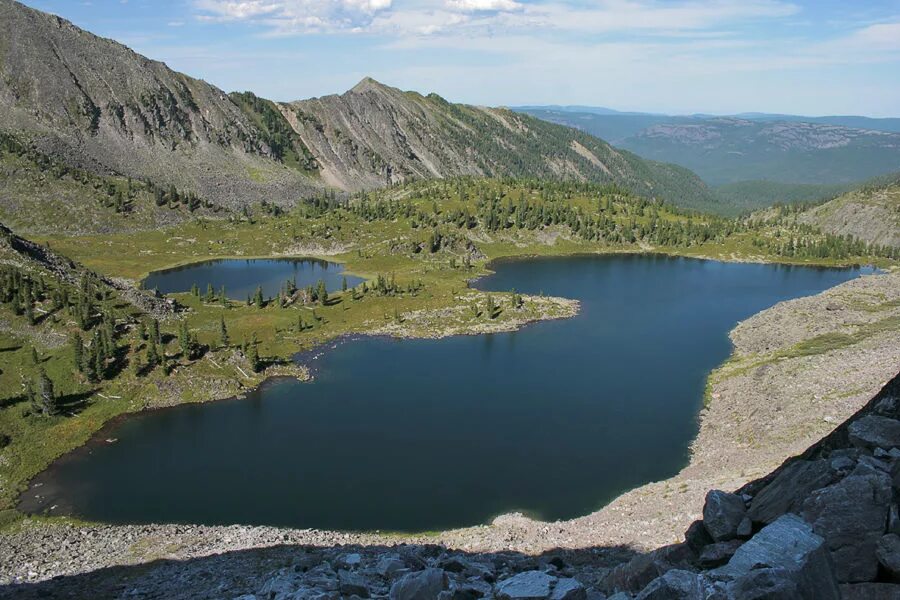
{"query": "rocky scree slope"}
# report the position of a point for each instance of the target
(97, 105)
(375, 135)
(871, 213)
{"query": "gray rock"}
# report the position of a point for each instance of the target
(894, 520)
(388, 566)
(787, 491)
(745, 529)
(852, 516)
(475, 587)
(870, 591)
(568, 589)
(888, 553)
(788, 544)
(696, 536)
(766, 584)
(842, 463)
(530, 585)
(637, 573)
(873, 431)
(716, 555)
(350, 560)
(352, 584)
(675, 585)
(421, 585)
(722, 514)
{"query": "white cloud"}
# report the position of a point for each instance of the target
(483, 5)
(236, 9)
(295, 16)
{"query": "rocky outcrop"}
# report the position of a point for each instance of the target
(832, 530)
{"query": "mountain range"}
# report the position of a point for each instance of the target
(780, 149)
(92, 104)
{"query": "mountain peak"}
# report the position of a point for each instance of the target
(367, 84)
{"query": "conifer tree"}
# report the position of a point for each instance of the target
(223, 333)
(322, 292)
(152, 354)
(258, 297)
(253, 354)
(77, 350)
(45, 394)
(344, 284)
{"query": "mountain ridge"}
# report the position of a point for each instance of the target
(94, 104)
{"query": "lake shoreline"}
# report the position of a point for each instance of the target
(622, 520)
(310, 357)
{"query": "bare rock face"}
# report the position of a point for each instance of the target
(852, 515)
(789, 489)
(873, 431)
(723, 514)
(790, 546)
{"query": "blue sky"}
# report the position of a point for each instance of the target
(677, 56)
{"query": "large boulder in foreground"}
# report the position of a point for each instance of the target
(789, 489)
(796, 556)
(851, 516)
(722, 515)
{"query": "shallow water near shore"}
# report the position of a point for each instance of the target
(554, 420)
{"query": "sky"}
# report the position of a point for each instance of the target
(807, 57)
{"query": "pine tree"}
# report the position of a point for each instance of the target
(154, 331)
(253, 354)
(152, 354)
(258, 297)
(222, 297)
(490, 307)
(322, 292)
(77, 350)
(45, 394)
(343, 284)
(184, 339)
(210, 294)
(35, 359)
(223, 333)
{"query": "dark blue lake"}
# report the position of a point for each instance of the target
(241, 276)
(554, 420)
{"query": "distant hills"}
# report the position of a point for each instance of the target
(80, 101)
(775, 149)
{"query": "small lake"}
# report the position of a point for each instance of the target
(554, 420)
(242, 276)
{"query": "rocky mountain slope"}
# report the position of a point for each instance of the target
(871, 213)
(93, 104)
(375, 135)
(97, 105)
